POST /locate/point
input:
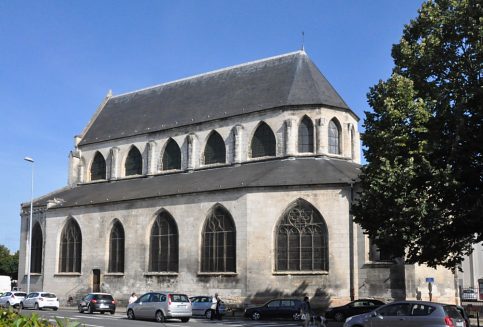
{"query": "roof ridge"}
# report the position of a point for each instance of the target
(216, 71)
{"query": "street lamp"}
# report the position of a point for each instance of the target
(29, 242)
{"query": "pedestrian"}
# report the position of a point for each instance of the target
(214, 302)
(133, 298)
(217, 308)
(306, 311)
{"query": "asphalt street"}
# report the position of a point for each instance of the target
(120, 320)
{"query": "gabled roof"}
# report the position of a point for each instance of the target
(286, 80)
(305, 172)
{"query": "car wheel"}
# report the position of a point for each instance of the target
(130, 314)
(80, 309)
(36, 306)
(296, 316)
(339, 316)
(113, 312)
(21, 305)
(208, 314)
(102, 312)
(185, 319)
(159, 316)
(90, 309)
(7, 305)
(55, 309)
(256, 316)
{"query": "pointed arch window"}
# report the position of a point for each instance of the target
(134, 162)
(263, 142)
(163, 252)
(215, 151)
(306, 135)
(36, 253)
(116, 248)
(70, 247)
(218, 252)
(302, 240)
(98, 167)
(172, 156)
(334, 137)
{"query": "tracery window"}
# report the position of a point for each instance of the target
(70, 247)
(334, 137)
(172, 156)
(263, 142)
(306, 135)
(302, 239)
(116, 248)
(163, 253)
(215, 151)
(134, 162)
(218, 252)
(98, 167)
(36, 249)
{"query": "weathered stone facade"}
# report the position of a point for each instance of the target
(255, 196)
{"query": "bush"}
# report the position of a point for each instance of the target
(9, 318)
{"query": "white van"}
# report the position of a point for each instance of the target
(5, 284)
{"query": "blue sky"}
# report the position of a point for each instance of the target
(58, 59)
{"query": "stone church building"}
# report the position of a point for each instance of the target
(237, 181)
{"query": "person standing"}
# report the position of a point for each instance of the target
(133, 298)
(306, 310)
(214, 305)
(217, 308)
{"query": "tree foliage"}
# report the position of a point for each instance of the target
(422, 185)
(8, 262)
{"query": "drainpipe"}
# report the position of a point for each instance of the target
(351, 244)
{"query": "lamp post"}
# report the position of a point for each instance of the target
(29, 242)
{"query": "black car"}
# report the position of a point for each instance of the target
(277, 308)
(97, 302)
(352, 308)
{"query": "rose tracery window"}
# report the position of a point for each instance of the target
(302, 240)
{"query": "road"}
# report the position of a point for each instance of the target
(120, 320)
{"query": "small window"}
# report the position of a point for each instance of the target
(172, 156)
(274, 304)
(306, 136)
(215, 151)
(334, 137)
(134, 162)
(98, 167)
(263, 142)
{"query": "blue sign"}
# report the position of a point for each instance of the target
(429, 279)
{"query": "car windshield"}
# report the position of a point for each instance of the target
(179, 298)
(48, 295)
(104, 297)
(452, 312)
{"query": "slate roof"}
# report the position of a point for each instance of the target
(286, 80)
(272, 173)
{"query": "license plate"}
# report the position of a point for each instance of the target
(181, 306)
(459, 324)
(102, 306)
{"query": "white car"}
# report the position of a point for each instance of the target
(11, 299)
(40, 300)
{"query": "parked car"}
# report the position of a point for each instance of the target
(276, 308)
(201, 306)
(40, 300)
(409, 314)
(353, 308)
(469, 294)
(12, 299)
(463, 314)
(161, 306)
(97, 302)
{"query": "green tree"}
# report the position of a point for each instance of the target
(422, 185)
(8, 262)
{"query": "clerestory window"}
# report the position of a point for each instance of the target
(263, 142)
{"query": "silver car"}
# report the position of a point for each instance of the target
(40, 300)
(409, 314)
(201, 306)
(161, 306)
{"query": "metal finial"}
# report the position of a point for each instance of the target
(303, 41)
